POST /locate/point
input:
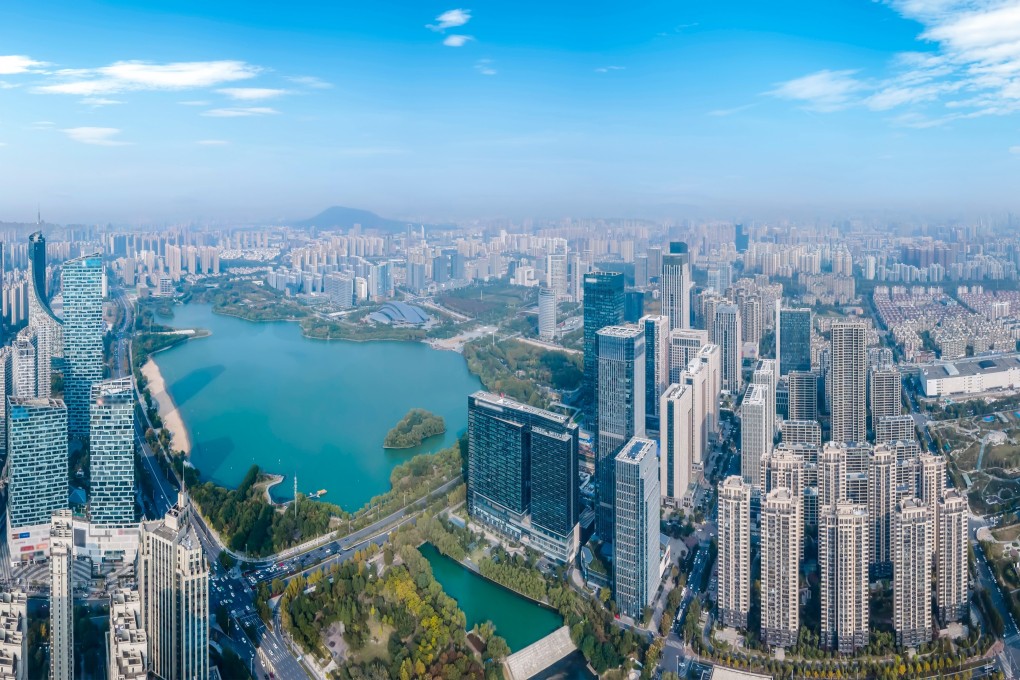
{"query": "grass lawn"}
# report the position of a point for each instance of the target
(376, 646)
(1010, 533)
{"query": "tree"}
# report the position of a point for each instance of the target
(497, 649)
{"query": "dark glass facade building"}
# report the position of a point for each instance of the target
(603, 306)
(794, 340)
(523, 473)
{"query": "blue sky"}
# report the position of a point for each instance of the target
(229, 111)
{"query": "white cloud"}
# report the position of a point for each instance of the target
(195, 102)
(821, 91)
(457, 40)
(607, 69)
(240, 112)
(1015, 149)
(98, 136)
(311, 82)
(251, 93)
(212, 142)
(450, 19)
(4, 85)
(13, 64)
(96, 102)
(720, 113)
(125, 76)
(484, 66)
(970, 66)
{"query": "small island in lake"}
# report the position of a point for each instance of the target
(417, 426)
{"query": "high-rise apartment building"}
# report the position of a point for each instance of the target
(6, 388)
(61, 597)
(82, 282)
(931, 481)
(684, 345)
(912, 550)
(676, 442)
(803, 395)
(13, 635)
(173, 586)
(843, 542)
(953, 586)
(728, 336)
(781, 541)
(848, 379)
(620, 352)
(636, 525)
(111, 453)
(793, 340)
(522, 473)
(127, 644)
(885, 393)
(37, 463)
(603, 306)
(881, 504)
(895, 428)
(711, 356)
(734, 557)
(656, 328)
(802, 432)
(24, 365)
(555, 274)
(676, 283)
(756, 440)
(696, 377)
(765, 374)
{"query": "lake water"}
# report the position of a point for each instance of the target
(518, 620)
(256, 392)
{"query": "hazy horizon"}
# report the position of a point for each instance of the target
(133, 114)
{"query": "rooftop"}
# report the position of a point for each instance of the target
(971, 366)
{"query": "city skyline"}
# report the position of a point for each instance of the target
(443, 112)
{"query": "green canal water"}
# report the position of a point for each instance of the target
(518, 620)
(262, 393)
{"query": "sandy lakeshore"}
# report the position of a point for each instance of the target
(167, 409)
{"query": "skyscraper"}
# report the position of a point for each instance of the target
(793, 340)
(61, 597)
(885, 393)
(620, 351)
(895, 428)
(765, 374)
(912, 551)
(697, 378)
(37, 461)
(111, 454)
(756, 442)
(802, 432)
(82, 282)
(676, 285)
(843, 563)
(781, 531)
(656, 330)
(522, 473)
(676, 433)
(42, 322)
(24, 365)
(803, 395)
(848, 378)
(603, 306)
(6, 390)
(684, 345)
(881, 504)
(173, 586)
(127, 646)
(546, 313)
(711, 358)
(636, 540)
(953, 587)
(727, 336)
(734, 558)
(555, 274)
(13, 635)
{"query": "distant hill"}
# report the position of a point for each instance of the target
(339, 217)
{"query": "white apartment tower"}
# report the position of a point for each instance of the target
(848, 378)
(684, 345)
(734, 559)
(755, 438)
(676, 443)
(781, 532)
(912, 550)
(953, 586)
(843, 562)
(636, 542)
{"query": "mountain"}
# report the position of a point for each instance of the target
(339, 217)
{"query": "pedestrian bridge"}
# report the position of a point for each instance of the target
(536, 657)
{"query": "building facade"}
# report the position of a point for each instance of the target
(781, 542)
(734, 558)
(636, 539)
(82, 283)
(793, 340)
(112, 453)
(912, 549)
(843, 564)
(847, 376)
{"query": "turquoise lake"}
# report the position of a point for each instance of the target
(261, 393)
